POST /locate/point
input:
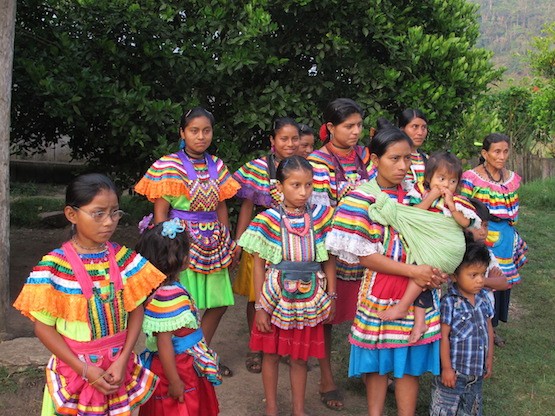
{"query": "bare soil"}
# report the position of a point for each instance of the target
(239, 395)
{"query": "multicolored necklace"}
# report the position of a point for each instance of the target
(287, 222)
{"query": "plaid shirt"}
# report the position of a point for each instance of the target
(469, 330)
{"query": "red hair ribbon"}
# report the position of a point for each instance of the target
(323, 132)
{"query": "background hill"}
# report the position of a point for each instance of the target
(507, 27)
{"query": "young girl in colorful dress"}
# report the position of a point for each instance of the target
(436, 194)
(86, 301)
(176, 350)
(414, 124)
(192, 185)
(339, 165)
(294, 281)
(259, 190)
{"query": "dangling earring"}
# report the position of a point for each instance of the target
(272, 149)
(181, 144)
(72, 229)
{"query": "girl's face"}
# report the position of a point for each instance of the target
(480, 234)
(197, 135)
(296, 188)
(470, 279)
(95, 222)
(345, 135)
(306, 145)
(392, 166)
(443, 178)
(286, 141)
(417, 130)
(497, 155)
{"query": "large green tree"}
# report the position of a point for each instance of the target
(114, 75)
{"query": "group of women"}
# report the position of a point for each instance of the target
(372, 266)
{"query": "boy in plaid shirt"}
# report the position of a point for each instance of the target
(466, 338)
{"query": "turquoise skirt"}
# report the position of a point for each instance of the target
(413, 361)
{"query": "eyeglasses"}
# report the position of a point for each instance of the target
(100, 216)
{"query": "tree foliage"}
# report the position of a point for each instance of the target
(114, 75)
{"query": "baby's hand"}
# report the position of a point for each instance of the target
(448, 195)
(448, 377)
(434, 193)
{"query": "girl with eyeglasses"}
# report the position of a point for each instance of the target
(192, 185)
(86, 299)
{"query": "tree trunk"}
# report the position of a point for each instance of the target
(7, 31)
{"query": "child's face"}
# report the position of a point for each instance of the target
(95, 222)
(481, 233)
(442, 178)
(296, 188)
(306, 145)
(470, 278)
(197, 135)
(286, 141)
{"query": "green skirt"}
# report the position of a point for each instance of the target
(208, 290)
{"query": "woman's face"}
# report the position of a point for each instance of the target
(286, 141)
(417, 130)
(306, 145)
(346, 134)
(197, 135)
(392, 166)
(497, 155)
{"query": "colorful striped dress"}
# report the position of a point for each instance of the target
(381, 346)
(90, 316)
(334, 177)
(293, 292)
(194, 188)
(171, 309)
(503, 239)
(258, 184)
(415, 173)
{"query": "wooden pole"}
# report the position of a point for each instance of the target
(7, 33)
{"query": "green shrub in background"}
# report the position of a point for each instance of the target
(24, 211)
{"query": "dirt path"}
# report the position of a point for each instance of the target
(239, 395)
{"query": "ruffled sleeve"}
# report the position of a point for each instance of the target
(228, 185)
(166, 177)
(254, 180)
(263, 236)
(169, 309)
(353, 233)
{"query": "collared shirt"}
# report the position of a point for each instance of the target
(469, 330)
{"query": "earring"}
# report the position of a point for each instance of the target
(181, 144)
(273, 149)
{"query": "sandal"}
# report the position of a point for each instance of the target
(225, 371)
(332, 399)
(254, 362)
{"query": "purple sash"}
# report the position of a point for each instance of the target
(194, 216)
(190, 169)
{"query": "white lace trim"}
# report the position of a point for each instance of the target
(320, 198)
(349, 247)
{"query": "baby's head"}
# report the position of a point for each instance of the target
(480, 234)
(166, 246)
(470, 274)
(443, 170)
